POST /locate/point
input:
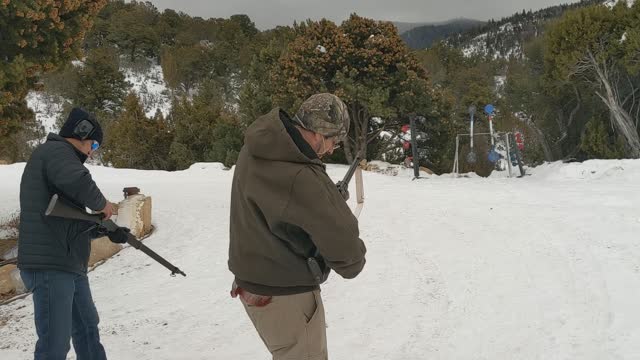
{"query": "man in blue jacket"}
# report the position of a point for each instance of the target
(53, 253)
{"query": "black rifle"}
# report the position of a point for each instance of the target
(59, 208)
(315, 261)
(343, 184)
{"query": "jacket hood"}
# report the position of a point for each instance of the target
(274, 137)
(56, 137)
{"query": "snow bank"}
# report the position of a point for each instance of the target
(611, 170)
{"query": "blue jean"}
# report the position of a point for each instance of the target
(63, 311)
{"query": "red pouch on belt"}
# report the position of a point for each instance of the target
(250, 298)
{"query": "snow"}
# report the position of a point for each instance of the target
(506, 27)
(149, 86)
(151, 89)
(542, 267)
(386, 135)
(10, 254)
(47, 109)
(78, 63)
(476, 46)
(600, 170)
(8, 233)
(612, 3)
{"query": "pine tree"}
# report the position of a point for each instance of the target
(101, 86)
(204, 129)
(364, 62)
(36, 37)
(133, 30)
(135, 141)
(597, 144)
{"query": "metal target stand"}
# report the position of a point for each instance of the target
(508, 136)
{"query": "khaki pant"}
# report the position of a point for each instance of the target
(292, 326)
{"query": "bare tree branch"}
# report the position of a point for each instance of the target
(576, 108)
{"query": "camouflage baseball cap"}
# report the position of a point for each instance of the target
(324, 114)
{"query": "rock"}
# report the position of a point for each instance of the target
(6, 281)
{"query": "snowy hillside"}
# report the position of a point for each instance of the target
(151, 89)
(481, 45)
(504, 38)
(47, 108)
(149, 85)
(612, 3)
(543, 267)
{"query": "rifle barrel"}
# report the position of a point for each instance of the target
(351, 171)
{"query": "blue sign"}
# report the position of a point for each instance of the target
(493, 156)
(489, 109)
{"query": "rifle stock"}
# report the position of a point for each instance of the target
(58, 208)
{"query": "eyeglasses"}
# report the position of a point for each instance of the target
(336, 145)
(94, 145)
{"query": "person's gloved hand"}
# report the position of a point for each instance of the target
(343, 190)
(345, 194)
(119, 236)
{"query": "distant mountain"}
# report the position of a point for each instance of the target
(405, 26)
(424, 36)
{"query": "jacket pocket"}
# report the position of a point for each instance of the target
(315, 328)
(59, 230)
(79, 242)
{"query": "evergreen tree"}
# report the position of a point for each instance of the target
(135, 141)
(101, 86)
(36, 37)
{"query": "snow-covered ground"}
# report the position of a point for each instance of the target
(542, 267)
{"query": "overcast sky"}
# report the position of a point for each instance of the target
(269, 13)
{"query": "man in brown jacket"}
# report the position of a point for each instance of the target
(285, 213)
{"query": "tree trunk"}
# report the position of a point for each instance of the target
(546, 149)
(348, 149)
(364, 132)
(542, 139)
(622, 120)
(357, 146)
(133, 53)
